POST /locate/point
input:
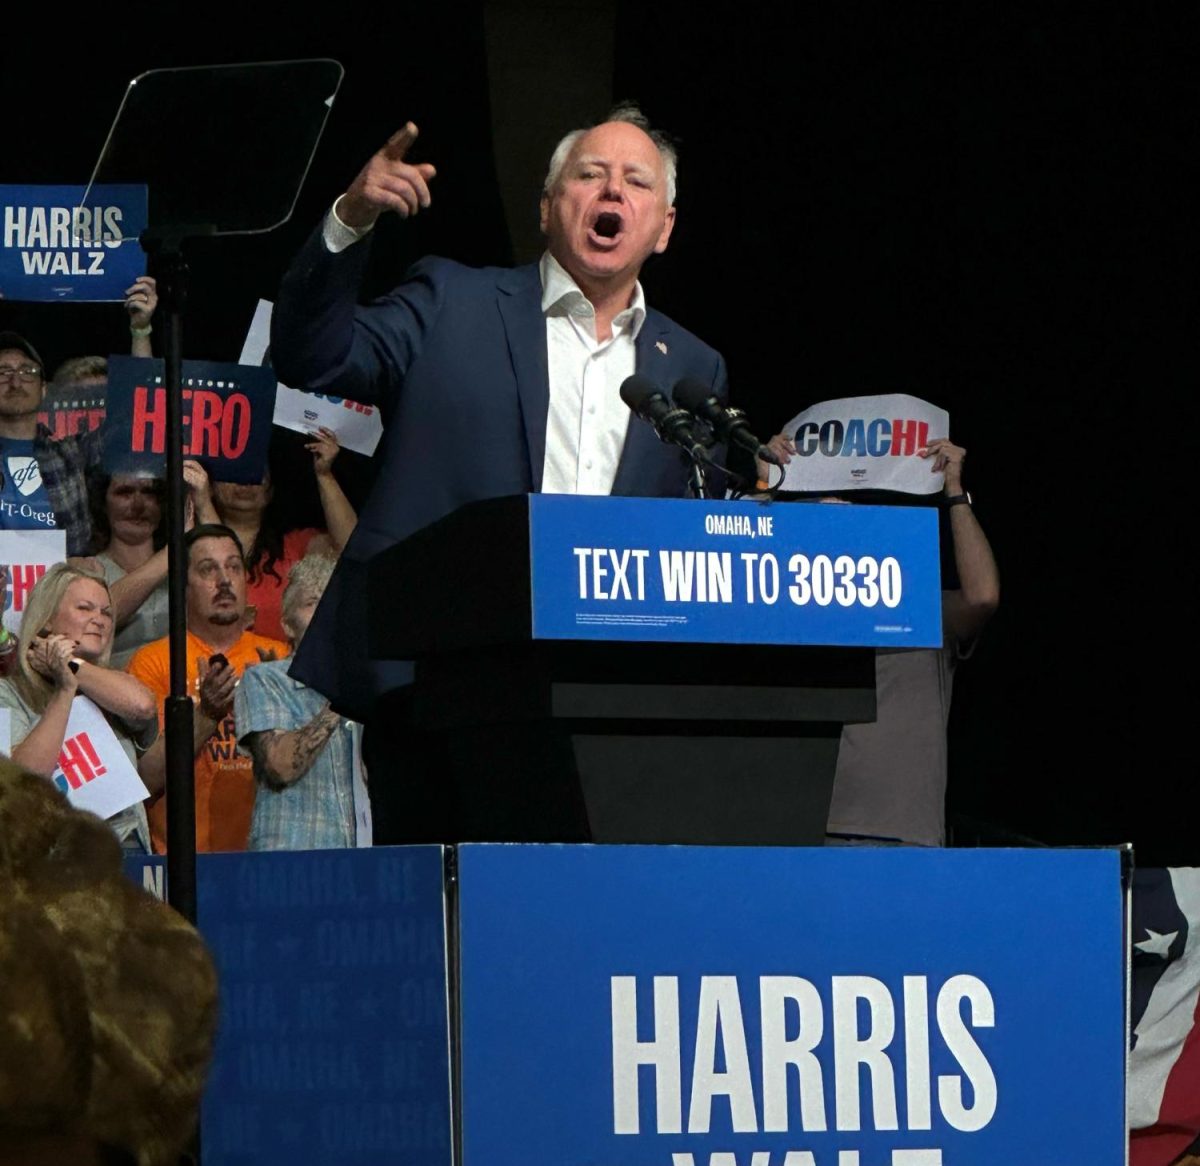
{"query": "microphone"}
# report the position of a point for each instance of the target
(730, 425)
(673, 425)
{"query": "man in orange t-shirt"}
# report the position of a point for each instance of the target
(218, 650)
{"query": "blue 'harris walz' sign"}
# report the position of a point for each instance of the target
(734, 572)
(54, 248)
(688, 1006)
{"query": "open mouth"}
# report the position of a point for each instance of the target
(607, 227)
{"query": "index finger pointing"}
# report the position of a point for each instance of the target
(399, 143)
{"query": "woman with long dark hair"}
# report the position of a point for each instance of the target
(254, 512)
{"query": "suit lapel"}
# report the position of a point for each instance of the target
(653, 360)
(519, 299)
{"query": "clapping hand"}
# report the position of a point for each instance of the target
(51, 656)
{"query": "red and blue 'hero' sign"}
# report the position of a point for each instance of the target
(227, 411)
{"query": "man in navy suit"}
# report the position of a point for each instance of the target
(520, 366)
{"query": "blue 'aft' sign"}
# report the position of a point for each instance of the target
(54, 248)
(734, 572)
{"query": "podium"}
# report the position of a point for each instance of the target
(636, 670)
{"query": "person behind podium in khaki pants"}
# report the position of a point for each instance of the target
(890, 784)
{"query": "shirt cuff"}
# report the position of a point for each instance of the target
(337, 235)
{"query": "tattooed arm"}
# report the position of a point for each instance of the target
(283, 756)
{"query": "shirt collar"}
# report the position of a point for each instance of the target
(560, 294)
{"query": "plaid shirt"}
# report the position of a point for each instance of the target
(64, 465)
(316, 812)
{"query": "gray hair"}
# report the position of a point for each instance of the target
(306, 580)
(629, 113)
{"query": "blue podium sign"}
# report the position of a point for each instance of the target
(734, 572)
(333, 1043)
(678, 1006)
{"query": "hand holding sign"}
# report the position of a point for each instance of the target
(783, 448)
(947, 460)
(324, 447)
(387, 182)
(199, 505)
(140, 301)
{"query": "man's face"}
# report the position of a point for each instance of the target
(216, 584)
(609, 211)
(20, 394)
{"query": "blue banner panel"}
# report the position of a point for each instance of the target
(333, 1044)
(681, 1006)
(734, 572)
(227, 411)
(54, 249)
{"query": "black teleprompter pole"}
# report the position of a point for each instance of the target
(166, 250)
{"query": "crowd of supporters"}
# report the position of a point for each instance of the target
(97, 625)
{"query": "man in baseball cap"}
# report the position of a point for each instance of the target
(42, 482)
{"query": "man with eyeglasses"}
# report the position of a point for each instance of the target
(42, 482)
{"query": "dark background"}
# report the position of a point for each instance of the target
(986, 205)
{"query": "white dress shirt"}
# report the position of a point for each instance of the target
(587, 420)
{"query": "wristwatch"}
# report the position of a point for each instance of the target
(956, 500)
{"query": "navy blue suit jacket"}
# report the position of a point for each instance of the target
(455, 358)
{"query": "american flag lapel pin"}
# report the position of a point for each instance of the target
(661, 345)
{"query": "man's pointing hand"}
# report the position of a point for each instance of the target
(386, 183)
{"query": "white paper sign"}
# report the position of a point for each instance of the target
(25, 556)
(363, 833)
(865, 443)
(358, 427)
(93, 770)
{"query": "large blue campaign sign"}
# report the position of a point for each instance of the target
(55, 249)
(734, 572)
(680, 1006)
(227, 410)
(333, 1043)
